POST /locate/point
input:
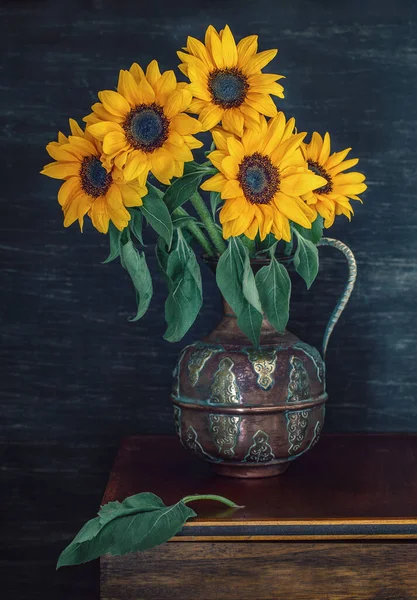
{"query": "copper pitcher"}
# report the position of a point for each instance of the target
(250, 412)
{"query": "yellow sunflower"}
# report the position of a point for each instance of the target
(261, 179)
(332, 198)
(227, 80)
(143, 126)
(90, 188)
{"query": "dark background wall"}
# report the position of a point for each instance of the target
(76, 376)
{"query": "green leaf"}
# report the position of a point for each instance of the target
(182, 189)
(266, 244)
(136, 224)
(162, 255)
(157, 214)
(236, 282)
(195, 167)
(181, 220)
(133, 504)
(274, 287)
(135, 264)
(306, 259)
(114, 239)
(139, 523)
(315, 233)
(185, 290)
(215, 200)
(288, 247)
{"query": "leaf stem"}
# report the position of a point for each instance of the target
(211, 497)
(205, 216)
(196, 232)
(250, 245)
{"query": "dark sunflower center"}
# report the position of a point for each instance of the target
(228, 87)
(146, 127)
(319, 170)
(95, 180)
(258, 178)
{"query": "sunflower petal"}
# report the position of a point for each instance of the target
(274, 134)
(136, 164)
(165, 86)
(294, 209)
(146, 93)
(210, 116)
(68, 189)
(232, 209)
(215, 183)
(100, 130)
(114, 103)
(162, 163)
(348, 178)
(337, 157)
(230, 167)
(213, 43)
(178, 102)
(58, 170)
(198, 49)
(343, 166)
(216, 158)
(153, 74)
(262, 103)
(235, 148)
(233, 120)
(229, 49)
(185, 124)
(128, 88)
(75, 128)
(302, 183)
(231, 189)
(325, 150)
(113, 142)
(246, 49)
(259, 61)
(137, 72)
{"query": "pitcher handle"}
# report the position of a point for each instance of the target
(343, 300)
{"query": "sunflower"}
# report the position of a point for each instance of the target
(332, 198)
(227, 80)
(90, 188)
(143, 126)
(261, 179)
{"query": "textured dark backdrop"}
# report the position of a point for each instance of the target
(76, 375)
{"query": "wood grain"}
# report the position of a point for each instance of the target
(361, 482)
(263, 570)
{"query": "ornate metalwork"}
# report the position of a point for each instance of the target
(314, 355)
(260, 450)
(299, 383)
(297, 422)
(191, 442)
(224, 389)
(177, 420)
(343, 300)
(196, 362)
(176, 374)
(264, 364)
(225, 432)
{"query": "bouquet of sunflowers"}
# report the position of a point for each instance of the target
(271, 192)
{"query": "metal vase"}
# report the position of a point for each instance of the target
(250, 412)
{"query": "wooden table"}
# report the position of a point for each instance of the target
(340, 524)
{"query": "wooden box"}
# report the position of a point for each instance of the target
(341, 523)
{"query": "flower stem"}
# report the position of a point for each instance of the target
(196, 232)
(211, 497)
(205, 216)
